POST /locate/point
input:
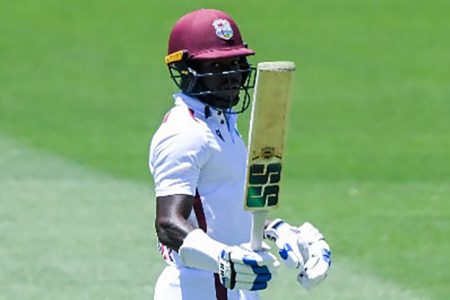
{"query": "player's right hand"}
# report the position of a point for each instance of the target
(302, 248)
(243, 269)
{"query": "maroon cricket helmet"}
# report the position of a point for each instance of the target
(205, 34)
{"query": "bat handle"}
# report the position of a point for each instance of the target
(257, 234)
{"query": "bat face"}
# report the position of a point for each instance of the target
(267, 135)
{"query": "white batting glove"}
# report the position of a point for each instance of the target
(243, 269)
(292, 250)
(302, 248)
(238, 267)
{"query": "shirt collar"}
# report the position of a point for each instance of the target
(201, 108)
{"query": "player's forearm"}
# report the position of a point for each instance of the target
(171, 222)
(171, 232)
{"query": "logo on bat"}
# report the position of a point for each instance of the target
(263, 185)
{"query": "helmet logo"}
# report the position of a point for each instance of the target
(223, 29)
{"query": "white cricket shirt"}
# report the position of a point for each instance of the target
(198, 151)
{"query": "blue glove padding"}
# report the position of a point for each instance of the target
(244, 269)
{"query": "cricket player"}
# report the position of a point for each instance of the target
(198, 159)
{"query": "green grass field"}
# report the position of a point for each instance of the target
(83, 87)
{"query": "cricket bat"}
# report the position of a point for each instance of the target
(266, 141)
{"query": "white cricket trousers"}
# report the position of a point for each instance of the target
(194, 284)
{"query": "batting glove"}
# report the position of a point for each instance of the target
(243, 269)
(238, 267)
(302, 248)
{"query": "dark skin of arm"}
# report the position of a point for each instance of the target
(171, 222)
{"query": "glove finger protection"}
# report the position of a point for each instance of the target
(302, 248)
(309, 234)
(292, 250)
(244, 269)
(316, 268)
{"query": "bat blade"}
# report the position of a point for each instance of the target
(267, 136)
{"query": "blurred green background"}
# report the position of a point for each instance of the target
(83, 86)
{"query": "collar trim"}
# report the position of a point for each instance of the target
(202, 109)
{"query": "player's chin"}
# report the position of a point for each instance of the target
(226, 99)
(229, 94)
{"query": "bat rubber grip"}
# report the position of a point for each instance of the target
(257, 234)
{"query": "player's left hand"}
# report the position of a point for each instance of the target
(242, 268)
(302, 248)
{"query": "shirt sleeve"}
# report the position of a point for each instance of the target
(176, 159)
